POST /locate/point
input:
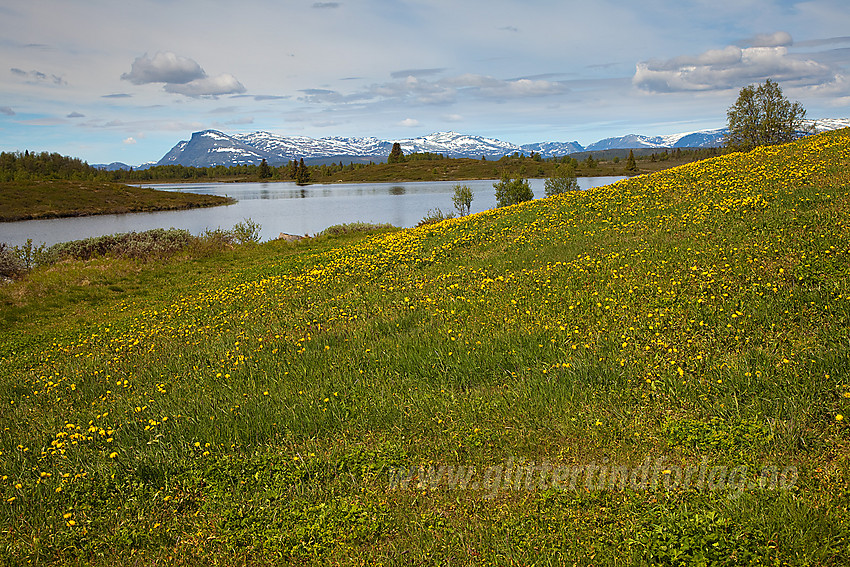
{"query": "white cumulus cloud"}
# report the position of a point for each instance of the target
(180, 75)
(164, 67)
(208, 86)
(732, 67)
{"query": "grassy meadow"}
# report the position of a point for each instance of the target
(653, 372)
(48, 198)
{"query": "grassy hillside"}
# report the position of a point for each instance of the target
(46, 198)
(652, 372)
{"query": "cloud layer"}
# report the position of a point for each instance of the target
(386, 69)
(733, 67)
(37, 76)
(180, 75)
(409, 86)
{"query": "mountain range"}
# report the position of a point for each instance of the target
(211, 147)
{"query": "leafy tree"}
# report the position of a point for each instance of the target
(589, 161)
(512, 191)
(562, 180)
(631, 165)
(462, 199)
(763, 116)
(396, 155)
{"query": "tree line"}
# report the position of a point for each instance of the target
(18, 166)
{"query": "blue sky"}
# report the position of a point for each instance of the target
(119, 81)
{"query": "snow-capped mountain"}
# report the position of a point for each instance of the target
(296, 147)
(453, 144)
(211, 147)
(700, 139)
(827, 124)
(549, 149)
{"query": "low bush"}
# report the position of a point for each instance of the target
(153, 244)
(435, 216)
(354, 227)
(10, 264)
(156, 243)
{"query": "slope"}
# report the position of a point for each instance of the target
(654, 371)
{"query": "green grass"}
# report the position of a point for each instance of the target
(396, 397)
(46, 198)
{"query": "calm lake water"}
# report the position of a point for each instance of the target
(279, 207)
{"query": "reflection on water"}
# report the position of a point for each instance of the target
(279, 207)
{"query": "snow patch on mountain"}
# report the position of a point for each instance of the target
(212, 147)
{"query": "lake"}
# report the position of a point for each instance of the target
(279, 207)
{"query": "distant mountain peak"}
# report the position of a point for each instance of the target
(213, 147)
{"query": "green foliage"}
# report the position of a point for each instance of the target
(32, 255)
(563, 181)
(763, 116)
(700, 538)
(434, 216)
(462, 199)
(424, 156)
(719, 436)
(396, 155)
(264, 171)
(16, 166)
(512, 191)
(48, 198)
(631, 165)
(156, 243)
(302, 173)
(246, 232)
(355, 227)
(148, 245)
(11, 265)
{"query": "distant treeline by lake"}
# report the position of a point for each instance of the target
(25, 166)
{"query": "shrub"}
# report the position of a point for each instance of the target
(33, 256)
(247, 231)
(462, 199)
(241, 233)
(156, 243)
(562, 181)
(10, 265)
(512, 191)
(435, 216)
(350, 228)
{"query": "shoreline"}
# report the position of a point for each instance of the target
(51, 199)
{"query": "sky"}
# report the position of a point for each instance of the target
(112, 81)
